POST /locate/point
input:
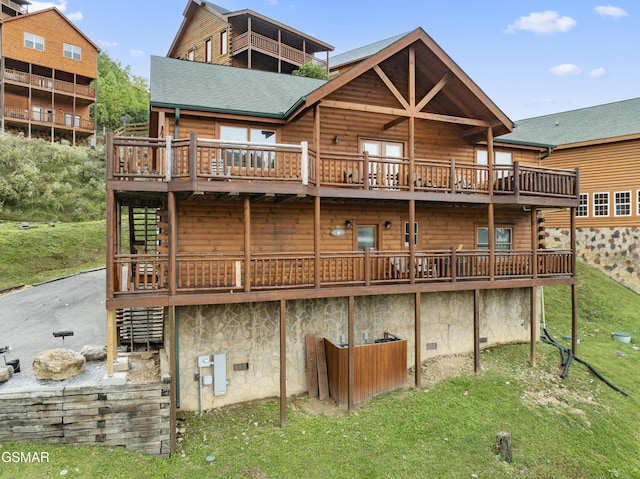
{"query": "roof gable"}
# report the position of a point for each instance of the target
(189, 11)
(443, 92)
(48, 11)
(361, 53)
(209, 87)
(596, 124)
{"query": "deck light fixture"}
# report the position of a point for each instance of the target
(348, 224)
(336, 139)
(387, 224)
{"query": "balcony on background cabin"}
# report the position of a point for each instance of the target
(42, 82)
(219, 165)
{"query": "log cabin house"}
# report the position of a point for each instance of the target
(371, 206)
(48, 72)
(212, 34)
(604, 142)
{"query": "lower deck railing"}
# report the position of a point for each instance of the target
(268, 271)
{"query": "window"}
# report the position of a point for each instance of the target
(37, 113)
(72, 120)
(207, 51)
(236, 156)
(72, 51)
(583, 207)
(385, 172)
(503, 238)
(191, 55)
(601, 204)
(223, 42)
(366, 237)
(622, 203)
(502, 159)
(33, 41)
(407, 235)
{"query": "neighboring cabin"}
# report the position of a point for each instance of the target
(244, 38)
(604, 142)
(49, 68)
(267, 207)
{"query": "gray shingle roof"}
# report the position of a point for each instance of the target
(362, 52)
(218, 8)
(209, 87)
(599, 122)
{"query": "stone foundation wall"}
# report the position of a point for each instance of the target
(614, 251)
(249, 333)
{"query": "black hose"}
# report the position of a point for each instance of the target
(569, 352)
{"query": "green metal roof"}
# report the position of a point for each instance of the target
(209, 87)
(362, 52)
(586, 124)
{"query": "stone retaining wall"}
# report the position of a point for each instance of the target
(134, 416)
(249, 334)
(614, 251)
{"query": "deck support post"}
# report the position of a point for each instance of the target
(171, 354)
(111, 340)
(412, 242)
(490, 173)
(283, 362)
(316, 242)
(246, 204)
(534, 242)
(173, 242)
(351, 365)
(417, 340)
(491, 232)
(574, 286)
(533, 323)
(476, 330)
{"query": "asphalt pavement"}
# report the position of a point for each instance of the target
(29, 317)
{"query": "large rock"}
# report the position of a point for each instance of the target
(58, 364)
(94, 353)
(6, 372)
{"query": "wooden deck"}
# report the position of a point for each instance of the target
(225, 273)
(47, 83)
(211, 163)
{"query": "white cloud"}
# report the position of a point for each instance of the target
(565, 69)
(106, 44)
(75, 17)
(611, 11)
(60, 5)
(597, 73)
(543, 23)
(136, 53)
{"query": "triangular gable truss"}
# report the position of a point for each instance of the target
(416, 72)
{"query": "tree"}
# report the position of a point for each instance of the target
(311, 70)
(120, 94)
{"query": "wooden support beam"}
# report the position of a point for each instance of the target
(433, 92)
(246, 203)
(533, 323)
(491, 231)
(112, 228)
(283, 362)
(412, 76)
(351, 365)
(172, 212)
(111, 340)
(418, 340)
(476, 330)
(412, 243)
(316, 241)
(392, 88)
(394, 122)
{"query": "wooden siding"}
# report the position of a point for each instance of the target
(200, 27)
(604, 168)
(55, 30)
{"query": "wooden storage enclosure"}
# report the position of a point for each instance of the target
(378, 368)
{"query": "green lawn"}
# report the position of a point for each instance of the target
(577, 427)
(42, 252)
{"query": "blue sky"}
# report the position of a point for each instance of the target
(531, 57)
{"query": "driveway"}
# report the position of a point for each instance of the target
(29, 317)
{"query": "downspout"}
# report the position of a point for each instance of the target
(176, 123)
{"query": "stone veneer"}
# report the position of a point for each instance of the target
(614, 251)
(249, 333)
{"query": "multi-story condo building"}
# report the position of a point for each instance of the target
(48, 73)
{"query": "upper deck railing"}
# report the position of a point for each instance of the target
(274, 48)
(199, 159)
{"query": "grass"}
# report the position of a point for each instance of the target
(36, 254)
(577, 427)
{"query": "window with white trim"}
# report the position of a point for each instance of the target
(33, 41)
(583, 207)
(191, 55)
(407, 234)
(503, 238)
(622, 201)
(224, 40)
(601, 204)
(207, 51)
(262, 156)
(72, 51)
